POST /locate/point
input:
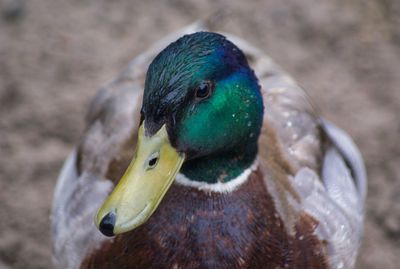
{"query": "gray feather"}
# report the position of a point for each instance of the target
(352, 155)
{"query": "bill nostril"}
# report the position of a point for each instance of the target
(153, 160)
(107, 224)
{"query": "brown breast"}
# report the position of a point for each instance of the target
(192, 229)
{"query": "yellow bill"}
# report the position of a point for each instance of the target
(143, 185)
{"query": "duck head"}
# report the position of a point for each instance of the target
(201, 116)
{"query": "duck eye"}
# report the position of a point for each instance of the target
(204, 90)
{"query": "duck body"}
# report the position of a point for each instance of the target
(194, 229)
(297, 204)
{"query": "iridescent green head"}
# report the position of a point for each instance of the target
(201, 116)
(203, 89)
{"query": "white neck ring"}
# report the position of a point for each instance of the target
(219, 187)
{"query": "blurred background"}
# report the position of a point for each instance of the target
(55, 54)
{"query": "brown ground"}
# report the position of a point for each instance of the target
(55, 54)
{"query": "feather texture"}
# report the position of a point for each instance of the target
(312, 170)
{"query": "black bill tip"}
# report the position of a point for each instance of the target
(107, 224)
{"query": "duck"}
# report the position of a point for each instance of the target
(204, 153)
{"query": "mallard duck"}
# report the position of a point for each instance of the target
(214, 158)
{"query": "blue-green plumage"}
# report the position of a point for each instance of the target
(235, 103)
(273, 215)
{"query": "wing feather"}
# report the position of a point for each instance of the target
(107, 145)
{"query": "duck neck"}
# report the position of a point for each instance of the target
(222, 167)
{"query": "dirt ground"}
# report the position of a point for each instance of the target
(55, 54)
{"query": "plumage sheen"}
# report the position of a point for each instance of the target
(300, 206)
